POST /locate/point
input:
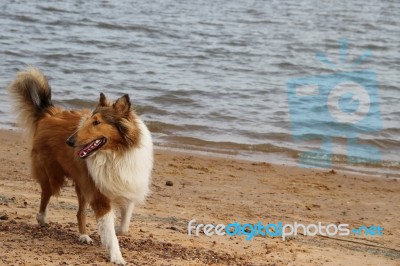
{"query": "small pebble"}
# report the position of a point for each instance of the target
(4, 217)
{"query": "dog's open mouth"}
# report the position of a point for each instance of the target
(91, 147)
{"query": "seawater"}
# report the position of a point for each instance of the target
(205, 75)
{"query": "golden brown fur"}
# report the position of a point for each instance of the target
(51, 128)
(51, 159)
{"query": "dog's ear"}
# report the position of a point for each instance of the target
(103, 100)
(122, 105)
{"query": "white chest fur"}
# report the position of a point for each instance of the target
(124, 176)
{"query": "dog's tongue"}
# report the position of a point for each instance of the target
(89, 148)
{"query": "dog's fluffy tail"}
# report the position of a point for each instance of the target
(31, 94)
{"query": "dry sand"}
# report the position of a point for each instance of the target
(210, 190)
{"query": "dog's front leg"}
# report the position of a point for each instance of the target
(126, 214)
(105, 225)
(81, 215)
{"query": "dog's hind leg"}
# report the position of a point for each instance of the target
(44, 201)
(51, 179)
(45, 185)
(81, 215)
(126, 214)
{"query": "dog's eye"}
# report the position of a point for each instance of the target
(95, 123)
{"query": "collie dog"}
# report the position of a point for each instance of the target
(107, 152)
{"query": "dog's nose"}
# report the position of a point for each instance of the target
(71, 141)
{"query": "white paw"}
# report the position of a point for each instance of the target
(119, 231)
(117, 259)
(41, 219)
(85, 239)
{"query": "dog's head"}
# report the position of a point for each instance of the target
(111, 126)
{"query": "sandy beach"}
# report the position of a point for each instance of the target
(211, 190)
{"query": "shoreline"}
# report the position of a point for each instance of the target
(209, 189)
(282, 158)
(277, 156)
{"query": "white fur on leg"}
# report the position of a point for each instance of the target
(85, 239)
(105, 226)
(41, 217)
(126, 214)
